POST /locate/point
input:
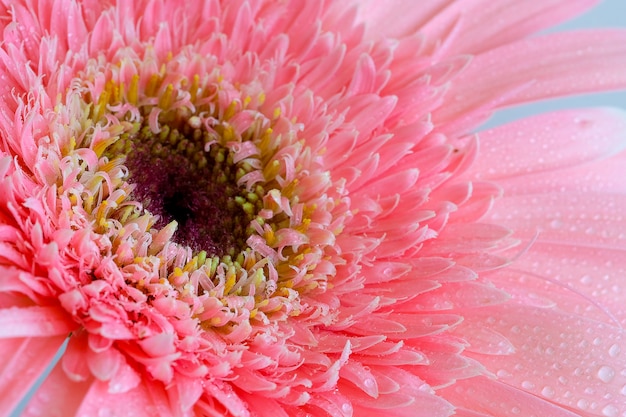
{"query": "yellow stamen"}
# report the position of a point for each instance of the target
(166, 99)
(133, 91)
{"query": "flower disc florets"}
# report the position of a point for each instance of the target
(214, 218)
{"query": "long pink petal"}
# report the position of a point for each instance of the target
(58, 396)
(604, 175)
(548, 142)
(34, 321)
(508, 21)
(580, 360)
(99, 401)
(396, 18)
(577, 279)
(585, 219)
(544, 67)
(23, 361)
(493, 398)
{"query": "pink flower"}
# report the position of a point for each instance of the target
(262, 208)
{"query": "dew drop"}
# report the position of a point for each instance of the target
(606, 374)
(43, 397)
(614, 350)
(503, 373)
(582, 404)
(547, 392)
(610, 411)
(104, 412)
(556, 224)
(528, 385)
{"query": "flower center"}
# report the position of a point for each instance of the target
(179, 175)
(212, 210)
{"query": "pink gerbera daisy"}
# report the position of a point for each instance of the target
(278, 208)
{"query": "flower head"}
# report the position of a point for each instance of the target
(252, 208)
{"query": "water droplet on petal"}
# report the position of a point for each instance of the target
(556, 224)
(614, 350)
(610, 411)
(528, 385)
(503, 373)
(606, 374)
(547, 392)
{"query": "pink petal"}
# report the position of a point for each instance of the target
(99, 401)
(74, 360)
(393, 19)
(23, 361)
(456, 295)
(497, 399)
(580, 359)
(34, 321)
(576, 218)
(543, 66)
(52, 398)
(550, 141)
(578, 279)
(104, 365)
(598, 176)
(509, 20)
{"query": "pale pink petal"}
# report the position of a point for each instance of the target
(583, 219)
(548, 142)
(494, 398)
(580, 360)
(394, 18)
(99, 401)
(580, 280)
(509, 21)
(542, 67)
(23, 362)
(52, 399)
(34, 321)
(599, 176)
